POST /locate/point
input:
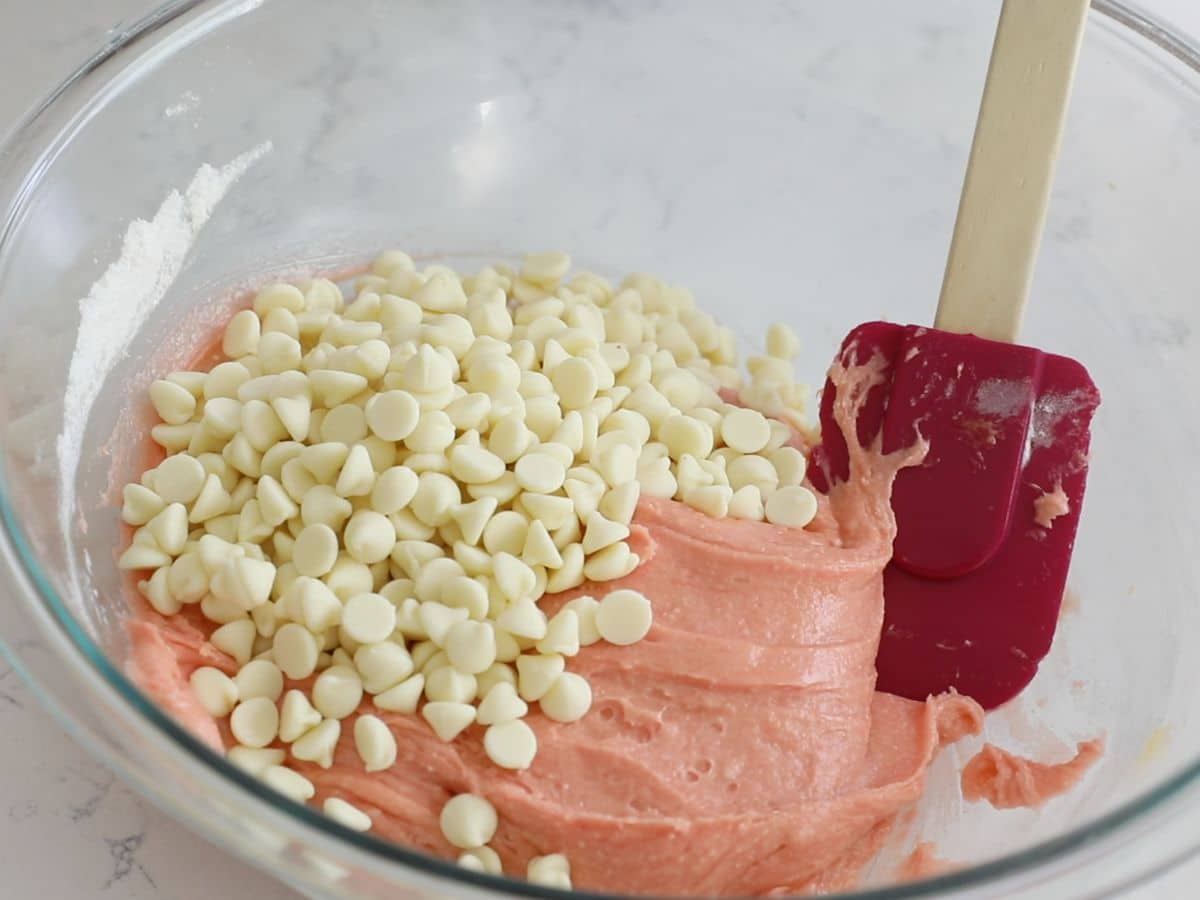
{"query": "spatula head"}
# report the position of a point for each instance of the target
(974, 587)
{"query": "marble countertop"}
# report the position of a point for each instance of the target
(68, 827)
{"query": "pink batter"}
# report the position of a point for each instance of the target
(1007, 781)
(924, 862)
(1050, 506)
(741, 748)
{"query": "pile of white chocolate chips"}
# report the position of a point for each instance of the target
(378, 493)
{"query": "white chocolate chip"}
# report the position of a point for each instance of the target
(444, 683)
(357, 476)
(337, 692)
(259, 678)
(789, 464)
(215, 691)
(536, 674)
(448, 719)
(624, 617)
(404, 697)
(481, 859)
(392, 415)
(468, 821)
(501, 704)
(382, 665)
(793, 506)
(745, 430)
(318, 744)
(315, 550)
(523, 619)
(244, 582)
(296, 716)
(254, 760)
(782, 342)
(368, 618)
(550, 871)
(236, 639)
(539, 473)
(471, 646)
(346, 814)
(510, 745)
(178, 479)
(746, 503)
(569, 698)
(562, 634)
(255, 722)
(141, 504)
(375, 743)
(288, 782)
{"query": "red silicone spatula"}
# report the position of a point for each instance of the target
(974, 587)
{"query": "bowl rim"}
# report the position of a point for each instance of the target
(62, 626)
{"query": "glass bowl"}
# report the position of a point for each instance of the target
(785, 161)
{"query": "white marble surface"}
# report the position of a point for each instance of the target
(68, 828)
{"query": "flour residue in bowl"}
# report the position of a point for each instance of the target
(152, 255)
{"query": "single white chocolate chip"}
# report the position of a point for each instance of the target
(539, 473)
(288, 782)
(255, 722)
(471, 646)
(296, 650)
(375, 743)
(178, 479)
(444, 683)
(613, 562)
(569, 698)
(745, 430)
(254, 760)
(468, 821)
(562, 634)
(236, 639)
(368, 618)
(523, 619)
(215, 691)
(600, 532)
(259, 678)
(140, 504)
(481, 859)
(448, 719)
(536, 674)
(382, 665)
(501, 704)
(317, 745)
(393, 415)
(404, 697)
(346, 814)
(510, 745)
(337, 692)
(244, 582)
(296, 716)
(624, 617)
(357, 475)
(793, 506)
(550, 871)
(782, 342)
(789, 464)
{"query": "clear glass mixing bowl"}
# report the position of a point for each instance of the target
(787, 161)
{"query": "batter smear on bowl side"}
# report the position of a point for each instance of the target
(489, 567)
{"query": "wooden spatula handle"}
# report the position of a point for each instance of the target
(1007, 188)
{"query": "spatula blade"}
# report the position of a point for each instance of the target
(975, 584)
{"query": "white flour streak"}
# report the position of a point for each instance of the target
(151, 257)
